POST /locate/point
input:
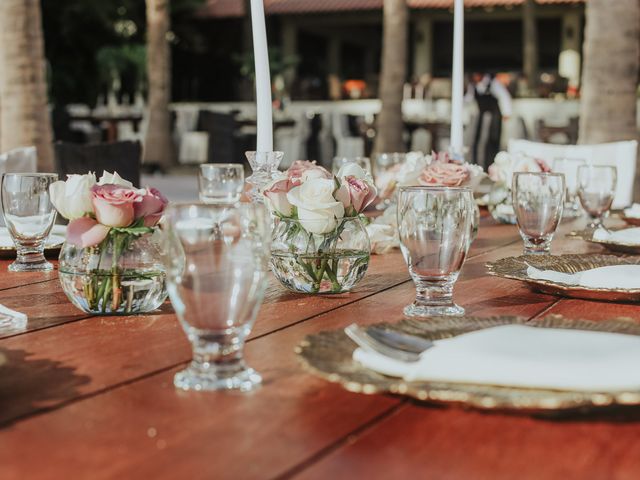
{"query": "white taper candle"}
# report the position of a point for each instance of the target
(457, 85)
(263, 78)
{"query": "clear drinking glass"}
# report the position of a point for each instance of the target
(216, 258)
(436, 227)
(386, 169)
(569, 167)
(339, 162)
(596, 190)
(29, 216)
(538, 200)
(221, 183)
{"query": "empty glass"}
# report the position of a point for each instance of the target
(569, 167)
(596, 190)
(29, 216)
(216, 260)
(435, 226)
(385, 172)
(221, 183)
(538, 200)
(339, 162)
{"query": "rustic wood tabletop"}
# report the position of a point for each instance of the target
(92, 397)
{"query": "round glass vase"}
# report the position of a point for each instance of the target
(332, 261)
(123, 275)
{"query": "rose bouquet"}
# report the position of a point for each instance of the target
(319, 242)
(501, 172)
(110, 263)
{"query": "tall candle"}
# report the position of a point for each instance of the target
(457, 85)
(263, 78)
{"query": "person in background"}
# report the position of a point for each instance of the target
(494, 106)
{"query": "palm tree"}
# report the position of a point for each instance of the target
(392, 76)
(158, 146)
(610, 74)
(24, 115)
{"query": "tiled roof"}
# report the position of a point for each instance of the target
(235, 8)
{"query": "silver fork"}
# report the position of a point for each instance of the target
(406, 348)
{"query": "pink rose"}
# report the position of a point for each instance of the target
(151, 207)
(276, 193)
(444, 175)
(355, 193)
(300, 170)
(544, 167)
(113, 204)
(86, 232)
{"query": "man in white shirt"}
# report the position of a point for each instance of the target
(494, 106)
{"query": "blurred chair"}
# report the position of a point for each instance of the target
(194, 148)
(621, 155)
(347, 145)
(226, 143)
(123, 157)
(559, 133)
(421, 140)
(19, 160)
(292, 140)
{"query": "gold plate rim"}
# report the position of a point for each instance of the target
(515, 268)
(328, 354)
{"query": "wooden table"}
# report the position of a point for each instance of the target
(92, 397)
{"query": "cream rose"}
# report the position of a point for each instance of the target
(72, 198)
(113, 179)
(410, 170)
(318, 210)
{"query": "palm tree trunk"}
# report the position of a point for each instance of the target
(530, 43)
(392, 76)
(158, 145)
(24, 116)
(610, 75)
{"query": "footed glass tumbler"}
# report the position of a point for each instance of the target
(436, 228)
(217, 259)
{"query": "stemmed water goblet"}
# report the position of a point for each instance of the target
(538, 200)
(569, 167)
(29, 216)
(596, 190)
(386, 168)
(436, 227)
(216, 258)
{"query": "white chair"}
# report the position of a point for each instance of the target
(346, 145)
(194, 148)
(19, 160)
(292, 141)
(421, 140)
(621, 155)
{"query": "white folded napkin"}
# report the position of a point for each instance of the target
(613, 276)
(522, 356)
(630, 236)
(633, 211)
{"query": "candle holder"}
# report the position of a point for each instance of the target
(265, 168)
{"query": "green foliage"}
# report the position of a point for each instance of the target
(86, 39)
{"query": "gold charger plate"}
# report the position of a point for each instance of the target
(515, 268)
(329, 355)
(618, 247)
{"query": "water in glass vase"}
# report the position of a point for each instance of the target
(123, 293)
(334, 272)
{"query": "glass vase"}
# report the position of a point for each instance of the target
(310, 257)
(123, 275)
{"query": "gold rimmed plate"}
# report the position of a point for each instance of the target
(515, 268)
(618, 247)
(329, 355)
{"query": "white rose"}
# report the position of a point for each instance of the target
(72, 198)
(113, 179)
(318, 210)
(352, 169)
(501, 169)
(410, 170)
